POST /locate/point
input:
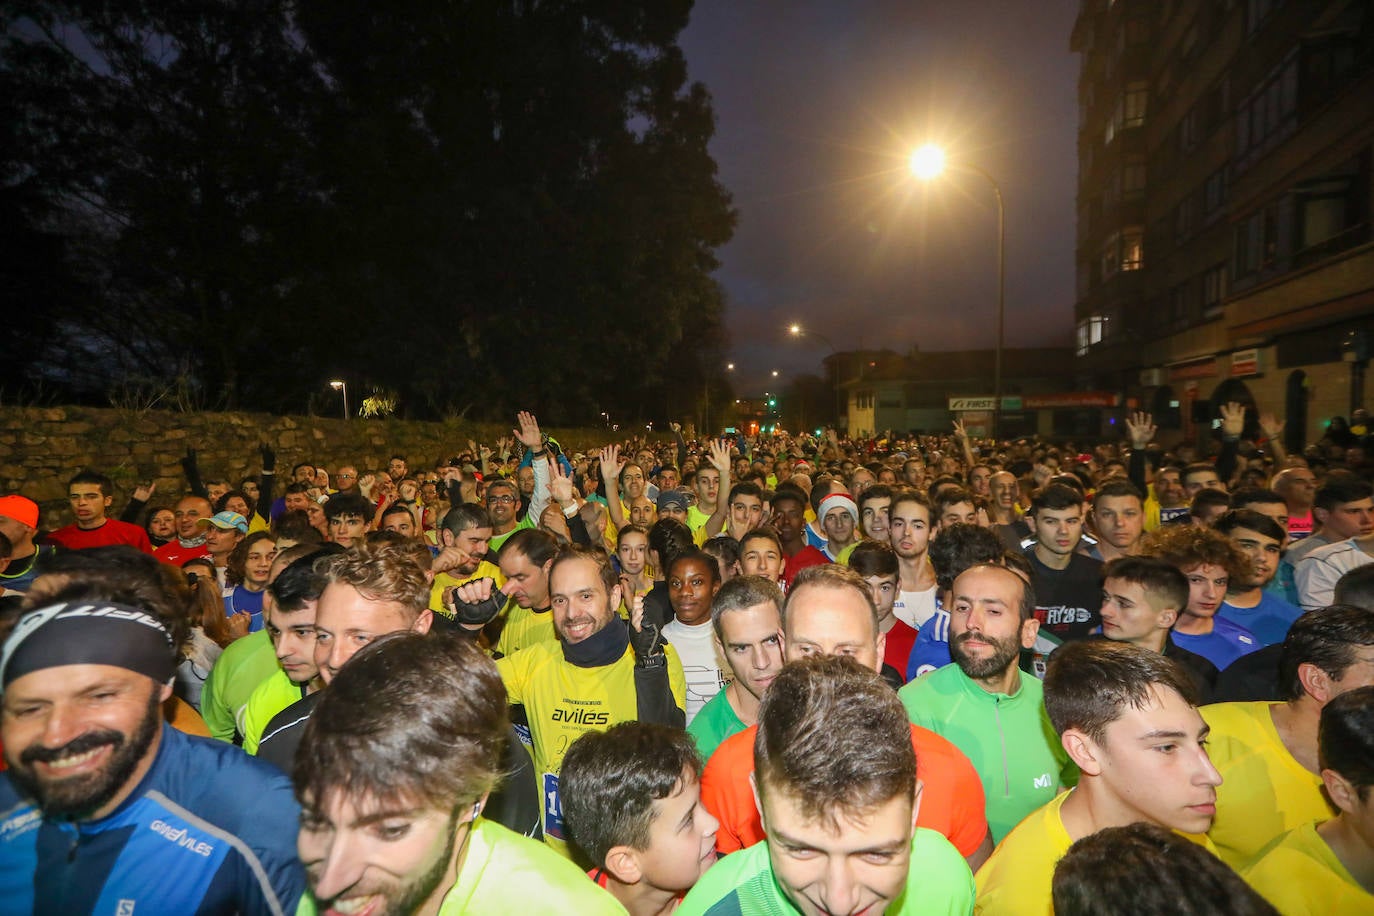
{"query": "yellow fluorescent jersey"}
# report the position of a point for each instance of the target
(1301, 876)
(696, 519)
(444, 580)
(1265, 792)
(523, 628)
(562, 701)
(1017, 879)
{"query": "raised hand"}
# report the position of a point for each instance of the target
(560, 485)
(1232, 419)
(528, 431)
(1271, 425)
(611, 465)
(1141, 428)
(720, 458)
(366, 484)
(959, 432)
(143, 494)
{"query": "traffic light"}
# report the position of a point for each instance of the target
(772, 402)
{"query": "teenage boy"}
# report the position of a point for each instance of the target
(397, 766)
(350, 517)
(1209, 562)
(877, 563)
(1247, 603)
(909, 531)
(91, 495)
(632, 804)
(1328, 866)
(747, 616)
(836, 782)
(1141, 600)
(1067, 584)
(760, 554)
(1128, 718)
(1268, 751)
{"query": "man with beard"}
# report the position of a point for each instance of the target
(395, 769)
(599, 671)
(984, 704)
(464, 541)
(105, 808)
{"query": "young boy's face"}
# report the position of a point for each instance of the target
(347, 530)
(1131, 614)
(884, 591)
(682, 838)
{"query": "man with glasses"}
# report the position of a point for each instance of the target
(503, 496)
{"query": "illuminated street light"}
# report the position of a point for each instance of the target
(775, 373)
(798, 331)
(341, 386)
(928, 163)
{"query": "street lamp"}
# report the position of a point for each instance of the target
(340, 385)
(928, 163)
(798, 331)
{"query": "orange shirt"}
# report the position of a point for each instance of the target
(952, 801)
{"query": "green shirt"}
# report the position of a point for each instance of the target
(497, 540)
(268, 698)
(1008, 739)
(504, 872)
(742, 884)
(245, 664)
(713, 723)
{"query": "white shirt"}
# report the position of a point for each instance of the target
(1317, 573)
(696, 646)
(915, 608)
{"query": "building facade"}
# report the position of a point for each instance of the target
(926, 392)
(1223, 248)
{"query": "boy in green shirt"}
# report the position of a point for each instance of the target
(747, 616)
(836, 781)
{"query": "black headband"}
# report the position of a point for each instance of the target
(86, 633)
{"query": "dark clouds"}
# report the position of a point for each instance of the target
(817, 105)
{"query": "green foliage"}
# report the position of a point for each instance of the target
(506, 204)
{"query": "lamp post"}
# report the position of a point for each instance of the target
(927, 164)
(341, 386)
(798, 331)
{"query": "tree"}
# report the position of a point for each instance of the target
(488, 203)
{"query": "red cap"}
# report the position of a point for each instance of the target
(20, 508)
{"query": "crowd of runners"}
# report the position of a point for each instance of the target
(707, 675)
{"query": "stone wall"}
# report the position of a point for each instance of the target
(42, 447)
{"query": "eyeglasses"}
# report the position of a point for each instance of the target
(345, 476)
(498, 500)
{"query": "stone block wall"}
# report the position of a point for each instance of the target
(42, 447)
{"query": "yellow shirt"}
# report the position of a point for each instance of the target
(444, 580)
(1018, 878)
(1301, 876)
(1265, 792)
(563, 701)
(523, 628)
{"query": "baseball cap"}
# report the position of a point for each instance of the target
(226, 520)
(668, 498)
(20, 508)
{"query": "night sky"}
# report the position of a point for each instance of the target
(818, 103)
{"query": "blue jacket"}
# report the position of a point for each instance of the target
(208, 830)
